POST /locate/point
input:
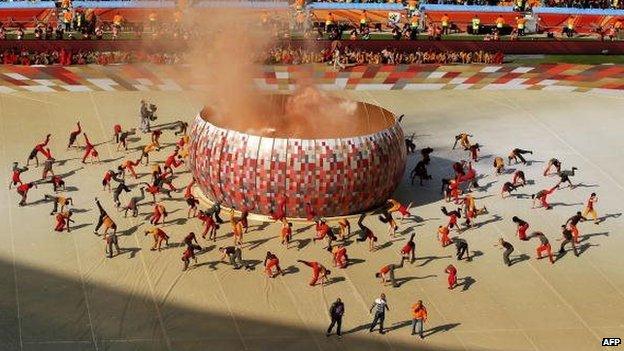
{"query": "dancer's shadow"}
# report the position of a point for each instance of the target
(495, 218)
(252, 264)
(607, 216)
(80, 210)
(521, 196)
(303, 229)
(428, 259)
(334, 280)
(485, 187)
(70, 173)
(484, 197)
(583, 185)
(290, 270)
(71, 188)
(354, 261)
(260, 227)
(301, 243)
(112, 159)
(256, 243)
(82, 225)
(384, 245)
(131, 250)
(555, 204)
(211, 264)
(518, 259)
(588, 236)
(475, 254)
(403, 280)
(585, 247)
(399, 325)
(205, 249)
(466, 283)
(440, 328)
(130, 230)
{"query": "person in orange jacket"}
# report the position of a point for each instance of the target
(419, 317)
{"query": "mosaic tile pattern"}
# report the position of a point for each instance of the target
(336, 176)
(564, 77)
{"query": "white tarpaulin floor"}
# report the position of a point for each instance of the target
(59, 292)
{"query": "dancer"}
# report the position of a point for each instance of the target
(63, 219)
(499, 165)
(568, 237)
(61, 201)
(22, 190)
(339, 256)
(425, 152)
(39, 148)
(544, 246)
(518, 179)
(104, 220)
(237, 229)
(345, 228)
(572, 223)
(106, 180)
(123, 138)
(111, 241)
(443, 236)
(271, 262)
(462, 138)
(90, 151)
(145, 152)
(366, 233)
(471, 211)
(186, 258)
(542, 196)
(192, 202)
(133, 204)
(16, 173)
(73, 135)
(452, 216)
(564, 176)
(159, 236)
(58, 183)
(155, 137)
(116, 132)
(173, 161)
(508, 250)
(322, 231)
(452, 276)
(121, 186)
(474, 151)
(47, 166)
(159, 212)
(508, 188)
(286, 232)
(516, 154)
(461, 247)
(522, 227)
(386, 274)
(234, 255)
(129, 166)
(210, 227)
(394, 206)
(318, 272)
(408, 250)
(590, 208)
(281, 210)
(553, 162)
(386, 217)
